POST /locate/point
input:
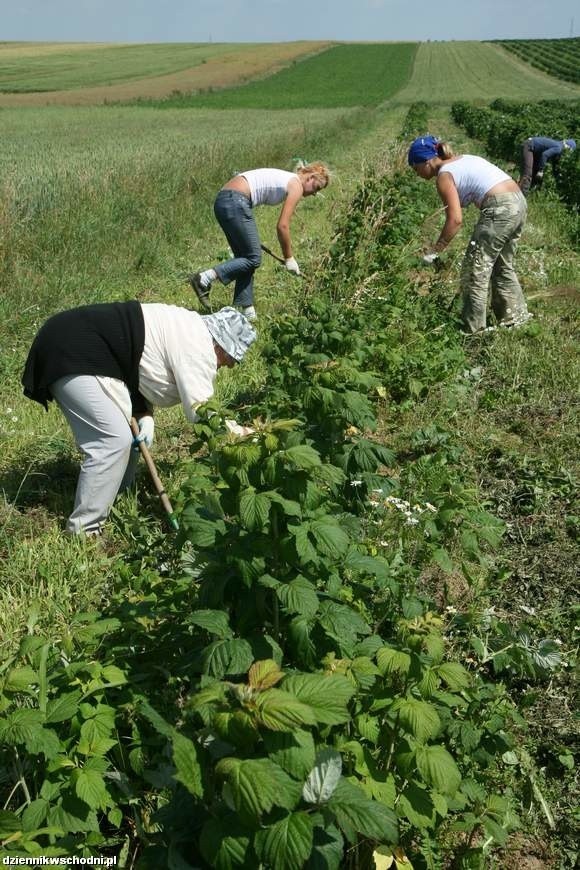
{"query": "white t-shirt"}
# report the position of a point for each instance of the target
(268, 186)
(178, 363)
(474, 177)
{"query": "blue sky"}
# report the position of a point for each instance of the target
(284, 20)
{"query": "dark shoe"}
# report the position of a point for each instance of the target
(200, 291)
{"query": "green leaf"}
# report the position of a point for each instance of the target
(290, 508)
(438, 768)
(187, 765)
(257, 785)
(229, 656)
(113, 675)
(224, 843)
(302, 456)
(355, 813)
(43, 740)
(328, 848)
(300, 640)
(9, 824)
(19, 679)
(375, 566)
(327, 696)
(416, 805)
(18, 726)
(73, 816)
(279, 710)
(454, 675)
(419, 717)
(304, 547)
(287, 844)
(323, 778)
(254, 509)
(393, 661)
(201, 532)
(154, 718)
(213, 621)
(494, 829)
(294, 752)
(90, 788)
(34, 815)
(342, 623)
(298, 596)
(63, 707)
(330, 537)
(443, 559)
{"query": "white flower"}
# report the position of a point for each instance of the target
(8, 410)
(356, 483)
(15, 419)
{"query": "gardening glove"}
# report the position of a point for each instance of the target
(235, 429)
(429, 259)
(292, 265)
(146, 430)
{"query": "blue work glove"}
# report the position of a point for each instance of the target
(146, 432)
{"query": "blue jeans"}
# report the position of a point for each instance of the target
(233, 212)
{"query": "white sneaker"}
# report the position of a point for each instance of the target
(250, 312)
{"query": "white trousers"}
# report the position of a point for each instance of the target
(103, 435)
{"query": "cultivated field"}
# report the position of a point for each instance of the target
(84, 75)
(358, 651)
(479, 71)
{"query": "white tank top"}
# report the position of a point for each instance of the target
(474, 177)
(268, 186)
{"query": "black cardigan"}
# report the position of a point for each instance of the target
(105, 339)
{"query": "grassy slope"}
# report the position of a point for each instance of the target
(94, 74)
(476, 71)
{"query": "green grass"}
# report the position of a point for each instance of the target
(96, 65)
(346, 75)
(445, 72)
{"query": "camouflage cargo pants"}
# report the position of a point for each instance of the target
(489, 261)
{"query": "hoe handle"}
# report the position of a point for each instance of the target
(155, 477)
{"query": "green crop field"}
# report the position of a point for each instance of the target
(557, 57)
(444, 72)
(359, 649)
(29, 71)
(346, 75)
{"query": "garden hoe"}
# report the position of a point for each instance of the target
(279, 259)
(155, 477)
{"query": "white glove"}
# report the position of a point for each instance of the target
(146, 431)
(428, 259)
(235, 429)
(292, 265)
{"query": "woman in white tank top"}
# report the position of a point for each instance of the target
(466, 179)
(233, 211)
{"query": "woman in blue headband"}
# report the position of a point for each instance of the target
(466, 179)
